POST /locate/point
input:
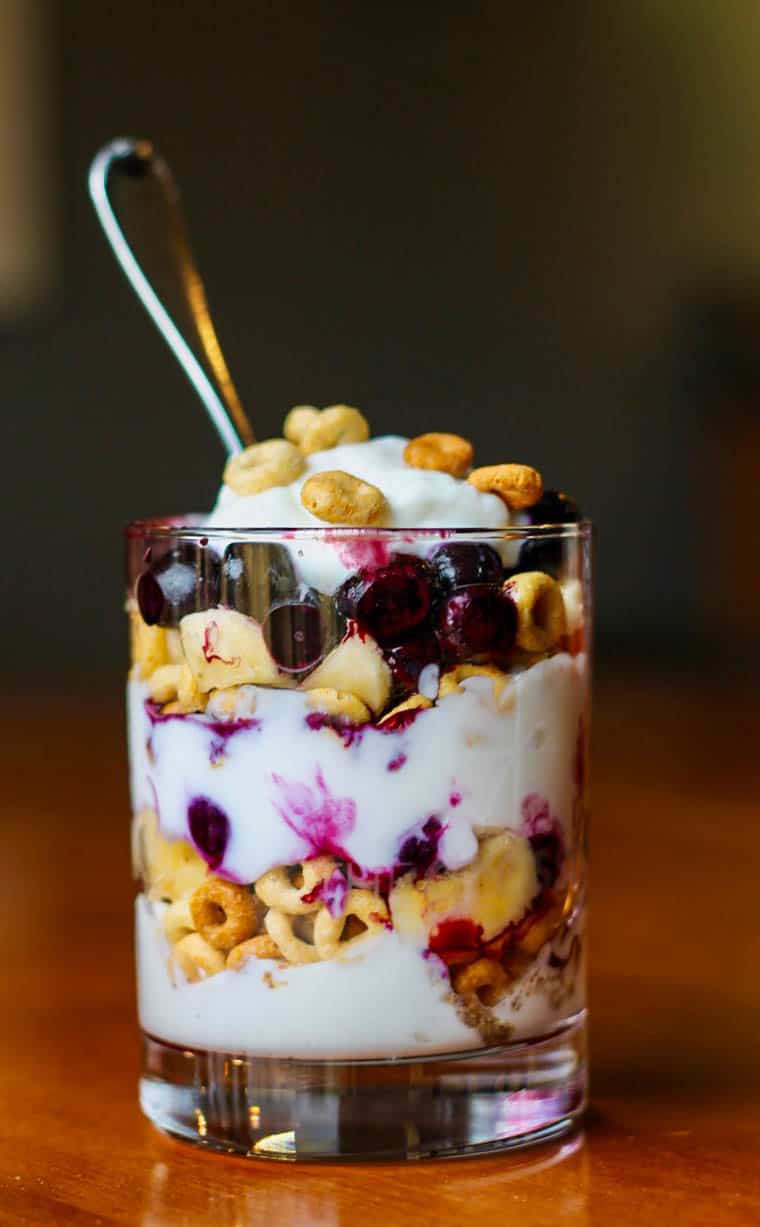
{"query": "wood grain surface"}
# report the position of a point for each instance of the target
(674, 1132)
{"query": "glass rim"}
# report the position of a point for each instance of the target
(190, 527)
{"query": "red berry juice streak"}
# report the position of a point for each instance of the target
(210, 641)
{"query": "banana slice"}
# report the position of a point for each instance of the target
(413, 703)
(148, 645)
(177, 920)
(170, 869)
(236, 703)
(494, 891)
(339, 703)
(225, 648)
(356, 666)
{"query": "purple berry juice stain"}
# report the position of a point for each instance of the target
(397, 763)
(223, 731)
(358, 554)
(536, 817)
(315, 815)
(332, 892)
(209, 829)
(455, 799)
(543, 831)
(349, 733)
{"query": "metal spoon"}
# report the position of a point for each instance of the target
(137, 159)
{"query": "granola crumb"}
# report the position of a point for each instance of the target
(481, 1018)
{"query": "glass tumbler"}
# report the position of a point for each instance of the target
(358, 778)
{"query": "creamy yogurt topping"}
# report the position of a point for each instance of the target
(469, 762)
(416, 498)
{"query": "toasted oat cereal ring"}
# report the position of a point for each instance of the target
(443, 452)
(517, 485)
(275, 462)
(196, 958)
(298, 421)
(224, 912)
(284, 890)
(485, 979)
(177, 920)
(341, 498)
(164, 683)
(170, 869)
(261, 947)
(540, 610)
(339, 703)
(280, 928)
(333, 934)
(502, 693)
(335, 425)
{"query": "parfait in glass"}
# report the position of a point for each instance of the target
(358, 720)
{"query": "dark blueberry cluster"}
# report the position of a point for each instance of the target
(547, 849)
(448, 608)
(388, 601)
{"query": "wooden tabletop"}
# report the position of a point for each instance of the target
(674, 1133)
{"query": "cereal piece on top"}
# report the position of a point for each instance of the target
(445, 453)
(275, 462)
(340, 498)
(333, 426)
(517, 485)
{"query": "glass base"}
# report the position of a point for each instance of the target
(440, 1106)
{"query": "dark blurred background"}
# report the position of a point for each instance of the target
(537, 225)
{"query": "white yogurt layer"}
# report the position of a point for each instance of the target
(416, 498)
(387, 1001)
(291, 791)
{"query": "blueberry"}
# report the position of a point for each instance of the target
(476, 622)
(183, 580)
(547, 850)
(547, 553)
(209, 828)
(388, 601)
(553, 507)
(296, 635)
(408, 657)
(420, 852)
(458, 563)
(256, 576)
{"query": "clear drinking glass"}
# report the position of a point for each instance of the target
(358, 774)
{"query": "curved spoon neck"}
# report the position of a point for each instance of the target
(138, 159)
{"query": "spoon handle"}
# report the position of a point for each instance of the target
(138, 159)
